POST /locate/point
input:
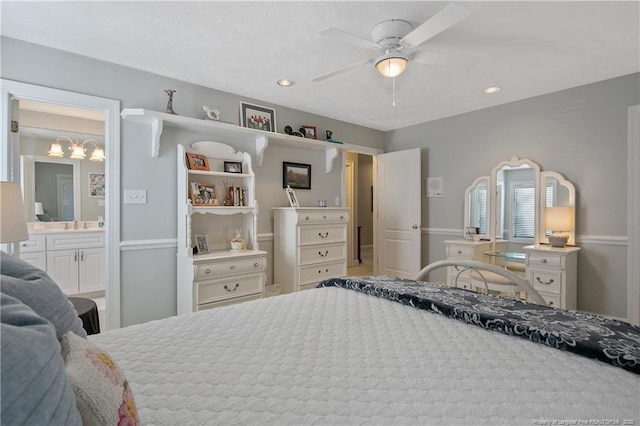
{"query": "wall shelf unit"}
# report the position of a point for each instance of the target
(230, 133)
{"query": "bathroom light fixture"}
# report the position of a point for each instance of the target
(285, 82)
(492, 89)
(77, 149)
(392, 63)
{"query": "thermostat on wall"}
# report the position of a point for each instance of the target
(434, 187)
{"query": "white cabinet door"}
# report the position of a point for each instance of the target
(62, 267)
(38, 259)
(91, 270)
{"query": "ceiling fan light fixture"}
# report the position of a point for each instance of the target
(391, 64)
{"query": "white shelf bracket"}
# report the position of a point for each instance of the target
(331, 154)
(261, 144)
(156, 132)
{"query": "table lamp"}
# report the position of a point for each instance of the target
(13, 224)
(559, 220)
(39, 208)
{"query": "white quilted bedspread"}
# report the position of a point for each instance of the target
(335, 356)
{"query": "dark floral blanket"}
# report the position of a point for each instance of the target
(593, 336)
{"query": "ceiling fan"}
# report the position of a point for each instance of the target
(395, 39)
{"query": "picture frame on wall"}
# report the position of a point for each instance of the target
(291, 196)
(96, 184)
(296, 175)
(257, 117)
(197, 162)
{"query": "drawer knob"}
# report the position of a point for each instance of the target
(459, 251)
(232, 289)
(207, 271)
(544, 261)
(341, 217)
(326, 234)
(306, 218)
(326, 252)
(547, 283)
(324, 217)
(550, 303)
(232, 267)
(255, 265)
(23, 245)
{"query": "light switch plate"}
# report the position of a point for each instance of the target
(135, 196)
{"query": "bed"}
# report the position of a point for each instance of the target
(380, 350)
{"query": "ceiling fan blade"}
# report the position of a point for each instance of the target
(444, 59)
(340, 70)
(446, 18)
(340, 35)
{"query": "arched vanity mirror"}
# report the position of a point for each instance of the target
(510, 205)
(475, 208)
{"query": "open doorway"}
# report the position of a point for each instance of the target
(359, 181)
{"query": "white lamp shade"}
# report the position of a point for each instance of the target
(13, 224)
(38, 208)
(559, 219)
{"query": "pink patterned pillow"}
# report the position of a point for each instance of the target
(103, 395)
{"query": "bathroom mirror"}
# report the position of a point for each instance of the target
(509, 205)
(475, 206)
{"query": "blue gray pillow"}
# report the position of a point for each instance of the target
(34, 288)
(35, 388)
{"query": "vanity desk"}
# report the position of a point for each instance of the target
(507, 212)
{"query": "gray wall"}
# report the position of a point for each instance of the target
(579, 132)
(148, 276)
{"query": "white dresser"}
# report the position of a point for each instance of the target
(465, 250)
(310, 244)
(554, 273)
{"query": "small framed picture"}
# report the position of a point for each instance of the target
(96, 184)
(201, 244)
(291, 196)
(233, 167)
(197, 161)
(203, 194)
(257, 117)
(469, 232)
(310, 132)
(296, 175)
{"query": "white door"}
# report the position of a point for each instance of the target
(65, 198)
(398, 204)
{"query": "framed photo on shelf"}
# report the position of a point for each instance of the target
(233, 167)
(197, 162)
(310, 132)
(201, 244)
(296, 175)
(257, 117)
(291, 196)
(96, 184)
(203, 194)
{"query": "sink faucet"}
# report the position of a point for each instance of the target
(84, 226)
(75, 224)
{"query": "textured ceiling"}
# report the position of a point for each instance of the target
(528, 48)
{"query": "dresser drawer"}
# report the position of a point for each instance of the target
(321, 234)
(215, 269)
(33, 244)
(322, 253)
(460, 251)
(315, 273)
(552, 300)
(546, 280)
(322, 216)
(228, 302)
(231, 287)
(545, 261)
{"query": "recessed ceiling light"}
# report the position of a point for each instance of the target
(492, 89)
(285, 82)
